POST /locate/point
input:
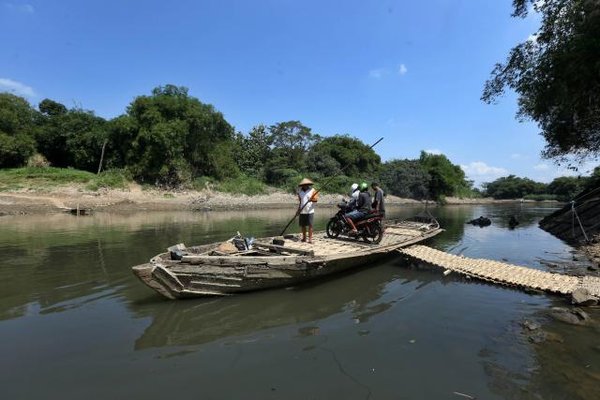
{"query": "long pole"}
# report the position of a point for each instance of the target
(322, 187)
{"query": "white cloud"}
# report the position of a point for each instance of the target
(24, 8)
(433, 151)
(541, 167)
(516, 156)
(18, 88)
(402, 70)
(377, 73)
(481, 172)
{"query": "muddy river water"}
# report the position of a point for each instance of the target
(76, 324)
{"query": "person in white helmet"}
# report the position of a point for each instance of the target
(354, 192)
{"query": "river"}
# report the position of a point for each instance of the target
(75, 323)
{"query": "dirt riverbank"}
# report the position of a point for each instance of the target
(135, 199)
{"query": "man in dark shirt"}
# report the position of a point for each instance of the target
(378, 202)
(363, 206)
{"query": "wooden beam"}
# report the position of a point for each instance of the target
(279, 249)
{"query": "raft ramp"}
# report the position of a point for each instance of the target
(503, 273)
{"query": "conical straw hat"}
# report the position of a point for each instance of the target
(306, 181)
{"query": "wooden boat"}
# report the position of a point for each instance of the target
(223, 269)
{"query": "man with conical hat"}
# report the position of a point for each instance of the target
(307, 196)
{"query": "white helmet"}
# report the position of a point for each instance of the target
(354, 186)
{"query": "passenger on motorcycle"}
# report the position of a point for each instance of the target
(363, 206)
(354, 192)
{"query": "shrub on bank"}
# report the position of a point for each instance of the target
(40, 178)
(242, 184)
(540, 197)
(50, 177)
(111, 179)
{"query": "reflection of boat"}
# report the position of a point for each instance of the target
(215, 269)
(360, 296)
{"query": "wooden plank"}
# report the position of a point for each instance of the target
(288, 249)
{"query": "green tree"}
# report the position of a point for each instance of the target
(254, 150)
(514, 187)
(70, 138)
(405, 178)
(290, 143)
(357, 158)
(17, 126)
(294, 140)
(557, 76)
(566, 187)
(168, 137)
(446, 179)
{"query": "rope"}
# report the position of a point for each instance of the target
(575, 215)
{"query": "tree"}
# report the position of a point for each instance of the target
(70, 138)
(557, 76)
(446, 179)
(168, 137)
(17, 125)
(294, 140)
(513, 187)
(357, 158)
(254, 150)
(51, 108)
(566, 187)
(405, 178)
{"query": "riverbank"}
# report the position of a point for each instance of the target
(136, 198)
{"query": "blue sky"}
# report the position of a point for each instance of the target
(409, 71)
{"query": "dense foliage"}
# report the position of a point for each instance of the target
(171, 139)
(513, 187)
(564, 188)
(69, 138)
(17, 127)
(556, 74)
(406, 178)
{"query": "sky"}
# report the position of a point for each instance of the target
(409, 71)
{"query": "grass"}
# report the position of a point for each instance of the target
(40, 178)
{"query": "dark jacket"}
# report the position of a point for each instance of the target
(364, 202)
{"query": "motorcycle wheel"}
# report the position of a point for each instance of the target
(375, 236)
(333, 228)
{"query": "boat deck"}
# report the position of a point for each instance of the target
(395, 236)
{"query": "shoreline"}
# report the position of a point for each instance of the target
(64, 199)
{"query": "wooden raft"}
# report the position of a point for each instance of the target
(503, 273)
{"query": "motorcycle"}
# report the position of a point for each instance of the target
(368, 228)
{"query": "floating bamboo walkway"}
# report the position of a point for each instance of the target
(503, 273)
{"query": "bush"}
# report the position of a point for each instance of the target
(32, 177)
(540, 197)
(281, 176)
(202, 183)
(37, 161)
(111, 179)
(242, 184)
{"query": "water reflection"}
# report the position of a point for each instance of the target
(357, 295)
